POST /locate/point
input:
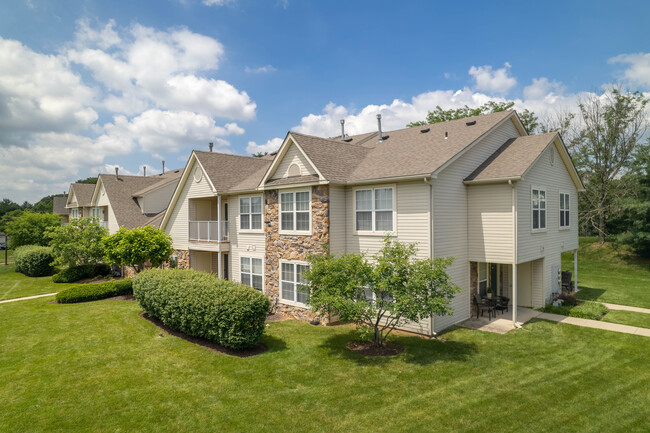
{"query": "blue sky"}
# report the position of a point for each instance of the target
(87, 85)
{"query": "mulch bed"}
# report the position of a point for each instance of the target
(211, 345)
(367, 348)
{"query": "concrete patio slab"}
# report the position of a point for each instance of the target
(502, 323)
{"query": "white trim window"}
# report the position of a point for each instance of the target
(538, 205)
(565, 221)
(292, 282)
(482, 278)
(74, 213)
(251, 272)
(374, 209)
(295, 211)
(250, 213)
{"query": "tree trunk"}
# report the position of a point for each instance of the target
(376, 339)
(601, 225)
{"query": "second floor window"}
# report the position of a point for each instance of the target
(294, 211)
(250, 213)
(374, 210)
(539, 209)
(74, 213)
(564, 210)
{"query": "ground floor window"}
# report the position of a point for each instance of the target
(251, 272)
(293, 282)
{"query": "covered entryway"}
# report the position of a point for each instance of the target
(208, 261)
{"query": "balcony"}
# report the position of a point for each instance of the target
(208, 231)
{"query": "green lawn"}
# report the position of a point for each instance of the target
(99, 367)
(631, 318)
(16, 285)
(607, 274)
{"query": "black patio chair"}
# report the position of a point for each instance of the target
(483, 305)
(502, 303)
(566, 281)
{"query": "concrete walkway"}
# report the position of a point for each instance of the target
(595, 324)
(27, 297)
(626, 308)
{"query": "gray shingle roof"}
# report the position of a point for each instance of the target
(58, 206)
(403, 152)
(513, 158)
(233, 172)
(163, 179)
(292, 180)
(83, 192)
(120, 190)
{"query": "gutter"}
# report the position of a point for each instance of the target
(509, 179)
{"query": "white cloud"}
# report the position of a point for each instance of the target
(542, 88)
(259, 70)
(638, 67)
(270, 146)
(493, 81)
(217, 2)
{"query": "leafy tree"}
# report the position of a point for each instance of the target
(30, 228)
(636, 210)
(7, 205)
(9, 216)
(391, 290)
(259, 154)
(135, 247)
(78, 243)
(91, 180)
(46, 204)
(528, 118)
(613, 123)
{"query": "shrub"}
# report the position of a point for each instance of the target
(202, 305)
(93, 292)
(76, 273)
(587, 310)
(34, 260)
(567, 298)
(29, 228)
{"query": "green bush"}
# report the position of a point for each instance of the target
(587, 310)
(93, 292)
(76, 273)
(202, 305)
(34, 260)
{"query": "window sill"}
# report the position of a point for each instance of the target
(294, 304)
(296, 233)
(251, 231)
(564, 229)
(379, 234)
(538, 230)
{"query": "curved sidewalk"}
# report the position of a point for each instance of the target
(27, 297)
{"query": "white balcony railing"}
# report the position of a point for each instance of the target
(208, 231)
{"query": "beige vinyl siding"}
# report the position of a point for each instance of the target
(293, 155)
(157, 200)
(243, 244)
(551, 243)
(411, 225)
(450, 220)
(338, 222)
(177, 226)
(102, 200)
(489, 222)
(537, 270)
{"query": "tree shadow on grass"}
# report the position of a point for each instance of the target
(590, 293)
(274, 344)
(418, 350)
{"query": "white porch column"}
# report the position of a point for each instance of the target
(514, 294)
(219, 256)
(514, 253)
(575, 269)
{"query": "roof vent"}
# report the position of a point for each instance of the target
(211, 144)
(163, 167)
(446, 135)
(381, 137)
(117, 172)
(342, 129)
(144, 170)
(425, 130)
(473, 122)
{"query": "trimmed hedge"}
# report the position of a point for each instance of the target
(94, 291)
(202, 305)
(587, 310)
(81, 272)
(34, 260)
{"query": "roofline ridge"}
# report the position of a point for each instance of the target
(228, 154)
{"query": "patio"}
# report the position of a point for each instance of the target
(502, 323)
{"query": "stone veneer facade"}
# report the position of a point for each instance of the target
(293, 247)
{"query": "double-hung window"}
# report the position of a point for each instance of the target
(539, 209)
(292, 278)
(250, 213)
(74, 213)
(294, 211)
(251, 272)
(374, 210)
(564, 210)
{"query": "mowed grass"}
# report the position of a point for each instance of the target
(632, 318)
(99, 367)
(16, 285)
(607, 273)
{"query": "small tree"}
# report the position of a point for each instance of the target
(29, 228)
(135, 247)
(78, 243)
(393, 289)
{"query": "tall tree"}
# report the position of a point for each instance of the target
(636, 209)
(528, 118)
(611, 126)
(7, 205)
(30, 227)
(92, 180)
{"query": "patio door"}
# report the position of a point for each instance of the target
(493, 278)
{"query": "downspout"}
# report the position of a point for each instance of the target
(219, 254)
(514, 253)
(431, 251)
